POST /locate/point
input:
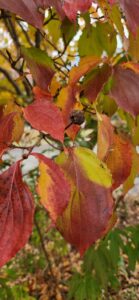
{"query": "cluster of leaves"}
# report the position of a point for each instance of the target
(102, 264)
(70, 76)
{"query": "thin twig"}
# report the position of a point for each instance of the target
(10, 79)
(25, 34)
(46, 254)
(52, 145)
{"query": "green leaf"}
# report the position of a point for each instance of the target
(68, 30)
(54, 30)
(95, 170)
(97, 39)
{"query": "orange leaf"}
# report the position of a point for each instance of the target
(115, 150)
(85, 65)
(18, 120)
(105, 137)
(119, 160)
(53, 187)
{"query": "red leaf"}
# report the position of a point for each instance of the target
(26, 9)
(53, 187)
(31, 12)
(40, 94)
(45, 116)
(55, 3)
(95, 81)
(6, 129)
(90, 207)
(125, 88)
(131, 11)
(71, 7)
(16, 213)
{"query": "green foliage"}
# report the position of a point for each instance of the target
(103, 263)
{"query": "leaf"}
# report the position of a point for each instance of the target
(44, 116)
(125, 89)
(119, 160)
(129, 183)
(98, 38)
(115, 16)
(131, 11)
(18, 120)
(133, 48)
(95, 81)
(6, 130)
(28, 10)
(91, 204)
(53, 187)
(105, 137)
(107, 105)
(55, 3)
(71, 7)
(40, 94)
(54, 30)
(115, 150)
(85, 65)
(68, 30)
(16, 211)
(66, 101)
(40, 65)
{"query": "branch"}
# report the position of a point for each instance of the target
(10, 79)
(10, 27)
(25, 33)
(46, 254)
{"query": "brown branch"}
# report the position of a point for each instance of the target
(10, 79)
(25, 33)
(51, 144)
(10, 27)
(46, 254)
(38, 38)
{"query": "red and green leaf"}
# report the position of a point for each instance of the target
(40, 65)
(95, 81)
(90, 207)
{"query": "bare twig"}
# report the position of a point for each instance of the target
(46, 254)
(10, 79)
